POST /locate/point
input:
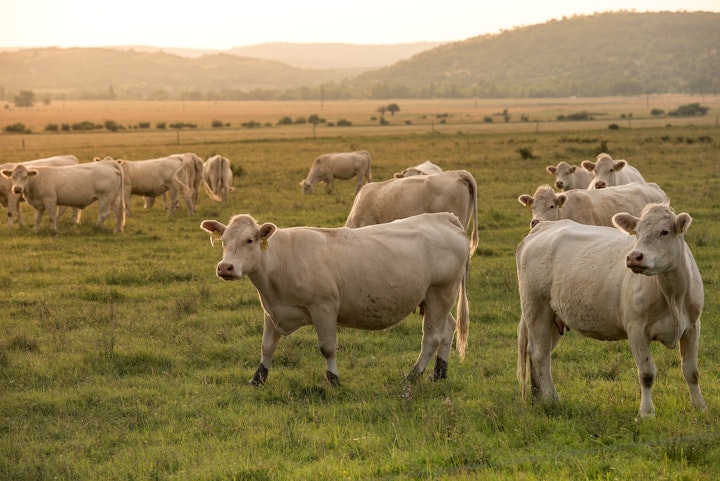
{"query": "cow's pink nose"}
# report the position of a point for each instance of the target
(634, 258)
(224, 269)
(559, 185)
(599, 185)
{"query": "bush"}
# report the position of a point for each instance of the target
(52, 128)
(344, 123)
(526, 153)
(111, 125)
(300, 120)
(160, 125)
(217, 124)
(285, 121)
(17, 128)
(657, 112)
(689, 110)
(614, 127)
(85, 125)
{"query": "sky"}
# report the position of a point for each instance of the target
(224, 24)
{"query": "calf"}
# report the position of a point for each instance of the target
(569, 177)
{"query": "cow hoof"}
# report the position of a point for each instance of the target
(259, 377)
(413, 376)
(332, 378)
(440, 371)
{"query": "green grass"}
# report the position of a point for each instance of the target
(122, 357)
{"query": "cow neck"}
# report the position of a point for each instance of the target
(675, 287)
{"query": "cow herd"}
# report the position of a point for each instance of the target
(605, 256)
(55, 183)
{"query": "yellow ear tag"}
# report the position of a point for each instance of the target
(214, 237)
(264, 243)
(631, 232)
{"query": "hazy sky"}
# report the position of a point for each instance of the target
(222, 24)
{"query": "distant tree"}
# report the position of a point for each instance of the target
(382, 109)
(26, 98)
(392, 108)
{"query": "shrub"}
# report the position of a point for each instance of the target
(85, 125)
(300, 120)
(614, 127)
(17, 128)
(52, 128)
(689, 110)
(160, 125)
(346, 123)
(217, 124)
(657, 112)
(285, 121)
(526, 153)
(111, 125)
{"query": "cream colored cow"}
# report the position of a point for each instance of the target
(569, 177)
(608, 172)
(217, 177)
(426, 168)
(341, 165)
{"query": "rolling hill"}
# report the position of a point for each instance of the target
(621, 53)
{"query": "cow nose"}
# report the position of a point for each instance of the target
(599, 185)
(634, 258)
(17, 190)
(224, 269)
(533, 223)
(559, 185)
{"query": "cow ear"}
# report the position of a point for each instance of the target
(31, 172)
(587, 165)
(682, 223)
(526, 200)
(619, 165)
(551, 168)
(572, 168)
(625, 222)
(215, 229)
(267, 230)
(7, 173)
(561, 199)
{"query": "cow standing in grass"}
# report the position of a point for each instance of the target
(366, 278)
(343, 165)
(607, 172)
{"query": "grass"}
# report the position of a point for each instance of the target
(123, 357)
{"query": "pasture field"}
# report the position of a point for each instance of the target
(123, 357)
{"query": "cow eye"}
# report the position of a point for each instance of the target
(249, 241)
(664, 232)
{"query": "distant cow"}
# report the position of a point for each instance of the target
(10, 200)
(568, 177)
(426, 168)
(595, 207)
(367, 278)
(155, 177)
(46, 188)
(343, 165)
(217, 177)
(637, 282)
(608, 172)
(450, 191)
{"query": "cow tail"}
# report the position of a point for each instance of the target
(523, 360)
(209, 191)
(472, 187)
(462, 326)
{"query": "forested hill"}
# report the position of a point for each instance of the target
(620, 53)
(623, 53)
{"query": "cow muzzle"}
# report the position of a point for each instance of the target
(225, 270)
(17, 190)
(635, 261)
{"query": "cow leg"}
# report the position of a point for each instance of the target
(688, 360)
(38, 217)
(103, 211)
(331, 185)
(435, 325)
(118, 207)
(326, 329)
(640, 347)
(173, 199)
(443, 353)
(13, 204)
(542, 338)
(270, 340)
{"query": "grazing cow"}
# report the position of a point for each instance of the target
(608, 172)
(637, 282)
(46, 188)
(595, 207)
(343, 165)
(451, 191)
(192, 177)
(568, 177)
(367, 278)
(217, 178)
(10, 200)
(426, 168)
(155, 177)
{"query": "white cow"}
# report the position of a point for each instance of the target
(46, 188)
(568, 177)
(367, 278)
(192, 177)
(637, 282)
(10, 200)
(451, 191)
(426, 168)
(342, 165)
(595, 207)
(155, 177)
(217, 177)
(608, 172)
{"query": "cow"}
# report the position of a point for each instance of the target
(217, 177)
(10, 200)
(366, 278)
(608, 172)
(192, 177)
(637, 281)
(568, 177)
(155, 177)
(426, 168)
(46, 188)
(341, 165)
(450, 191)
(594, 207)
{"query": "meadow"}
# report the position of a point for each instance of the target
(123, 357)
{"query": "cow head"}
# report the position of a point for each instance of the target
(20, 176)
(604, 170)
(562, 172)
(243, 241)
(659, 238)
(545, 204)
(306, 186)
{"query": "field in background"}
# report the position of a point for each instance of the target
(123, 357)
